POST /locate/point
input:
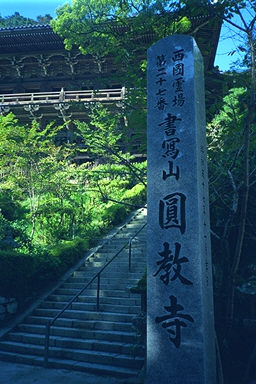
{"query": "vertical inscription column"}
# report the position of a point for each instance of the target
(180, 328)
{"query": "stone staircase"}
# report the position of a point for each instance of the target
(100, 342)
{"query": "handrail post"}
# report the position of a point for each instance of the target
(46, 346)
(98, 292)
(130, 255)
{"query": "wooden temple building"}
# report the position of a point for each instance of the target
(41, 80)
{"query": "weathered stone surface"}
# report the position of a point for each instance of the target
(2, 309)
(12, 307)
(11, 300)
(3, 300)
(180, 333)
(2, 312)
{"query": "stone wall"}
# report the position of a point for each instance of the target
(8, 306)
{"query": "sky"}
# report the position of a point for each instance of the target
(32, 8)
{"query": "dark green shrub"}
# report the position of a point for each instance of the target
(16, 273)
(4, 226)
(136, 195)
(69, 252)
(114, 214)
(10, 208)
(23, 273)
(47, 267)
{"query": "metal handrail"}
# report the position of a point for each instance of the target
(63, 96)
(97, 276)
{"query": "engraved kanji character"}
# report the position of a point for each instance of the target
(170, 147)
(161, 103)
(170, 131)
(160, 61)
(171, 172)
(171, 263)
(178, 55)
(172, 211)
(178, 100)
(178, 69)
(161, 92)
(178, 84)
(161, 72)
(176, 324)
(169, 121)
(160, 81)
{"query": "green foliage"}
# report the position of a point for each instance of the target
(225, 131)
(101, 28)
(224, 136)
(4, 226)
(17, 20)
(68, 253)
(102, 136)
(9, 207)
(54, 208)
(16, 271)
(225, 152)
(113, 214)
(141, 286)
(24, 271)
(136, 195)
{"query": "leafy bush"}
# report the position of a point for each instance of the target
(113, 214)
(136, 195)
(69, 252)
(46, 199)
(4, 225)
(24, 272)
(10, 207)
(16, 271)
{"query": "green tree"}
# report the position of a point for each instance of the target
(232, 170)
(28, 160)
(101, 28)
(104, 140)
(17, 20)
(246, 27)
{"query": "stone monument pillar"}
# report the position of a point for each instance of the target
(180, 325)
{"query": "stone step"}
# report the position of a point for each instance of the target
(93, 285)
(109, 335)
(111, 247)
(134, 224)
(120, 265)
(93, 268)
(77, 343)
(107, 358)
(93, 292)
(135, 268)
(103, 258)
(100, 369)
(109, 274)
(92, 299)
(92, 307)
(102, 342)
(104, 280)
(85, 315)
(100, 256)
(86, 324)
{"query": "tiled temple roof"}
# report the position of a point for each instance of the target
(31, 37)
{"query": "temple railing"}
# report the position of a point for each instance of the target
(83, 96)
